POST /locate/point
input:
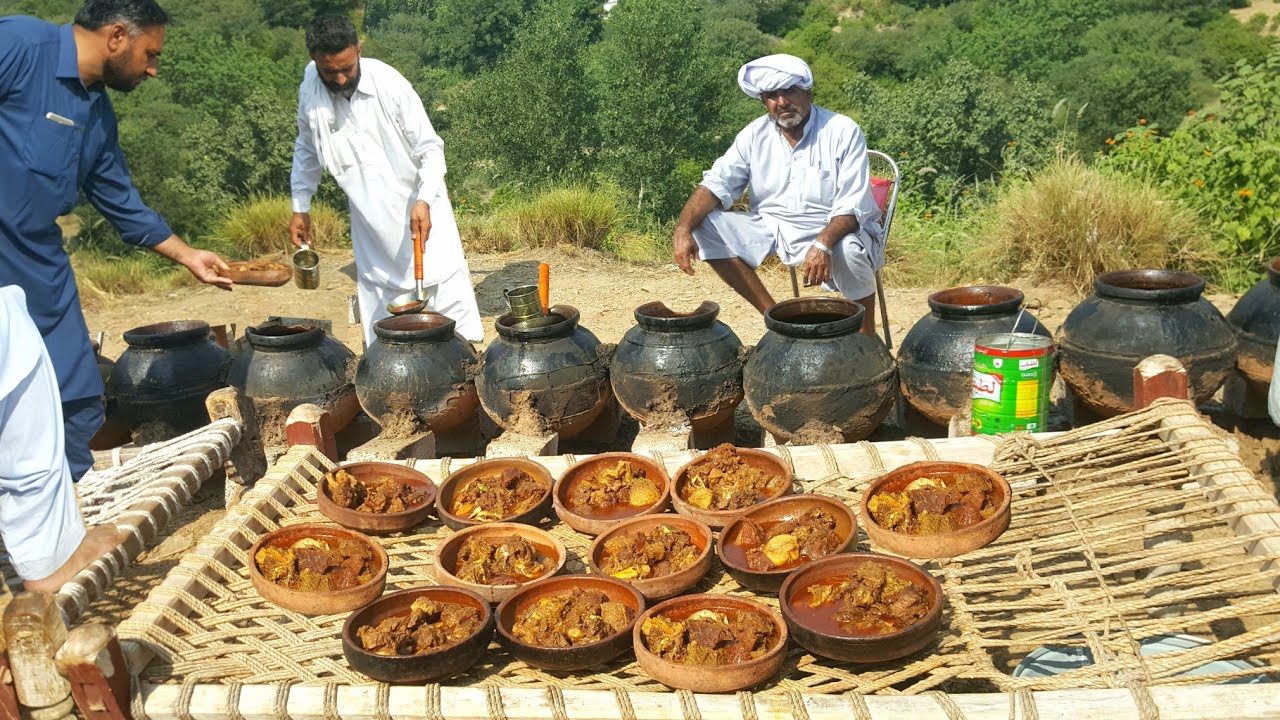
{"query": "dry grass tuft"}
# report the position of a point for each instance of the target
(576, 216)
(260, 226)
(1071, 222)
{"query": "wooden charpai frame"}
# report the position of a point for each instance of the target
(1124, 488)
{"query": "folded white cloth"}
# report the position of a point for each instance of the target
(774, 72)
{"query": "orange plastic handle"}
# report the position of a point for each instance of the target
(417, 258)
(544, 286)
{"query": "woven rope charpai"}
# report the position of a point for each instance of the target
(1116, 537)
(140, 496)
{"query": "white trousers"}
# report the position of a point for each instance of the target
(746, 236)
(454, 298)
(39, 516)
(1273, 399)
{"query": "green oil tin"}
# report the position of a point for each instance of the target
(1012, 377)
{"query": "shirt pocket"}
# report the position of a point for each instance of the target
(818, 186)
(53, 148)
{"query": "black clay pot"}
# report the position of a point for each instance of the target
(684, 363)
(814, 371)
(415, 377)
(544, 376)
(285, 366)
(935, 360)
(1256, 322)
(1134, 314)
(159, 384)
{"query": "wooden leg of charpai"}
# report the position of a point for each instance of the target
(92, 661)
(8, 699)
(34, 630)
(884, 311)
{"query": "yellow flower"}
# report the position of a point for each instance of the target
(1199, 183)
(1128, 134)
(1208, 153)
(1245, 193)
(1111, 141)
(1191, 113)
(1142, 121)
(928, 216)
(1011, 143)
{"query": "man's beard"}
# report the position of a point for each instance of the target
(348, 87)
(116, 77)
(792, 121)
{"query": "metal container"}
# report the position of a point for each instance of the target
(1012, 377)
(306, 268)
(524, 302)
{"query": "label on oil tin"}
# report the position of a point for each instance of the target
(1012, 377)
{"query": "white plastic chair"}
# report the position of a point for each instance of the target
(884, 186)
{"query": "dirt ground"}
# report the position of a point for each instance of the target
(604, 290)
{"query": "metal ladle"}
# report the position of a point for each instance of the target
(414, 301)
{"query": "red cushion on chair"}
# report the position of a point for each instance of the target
(880, 188)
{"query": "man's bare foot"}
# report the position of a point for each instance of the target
(98, 541)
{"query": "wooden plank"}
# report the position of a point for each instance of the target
(1193, 702)
(312, 425)
(1156, 377)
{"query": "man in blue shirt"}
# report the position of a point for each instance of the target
(58, 136)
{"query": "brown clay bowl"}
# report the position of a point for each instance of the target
(942, 545)
(577, 657)
(589, 523)
(446, 558)
(378, 523)
(734, 558)
(451, 484)
(710, 678)
(716, 519)
(659, 588)
(435, 665)
(823, 637)
(317, 603)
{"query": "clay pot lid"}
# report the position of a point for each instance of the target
(574, 657)
(317, 603)
(594, 524)
(415, 327)
(440, 662)
(815, 317)
(658, 317)
(940, 545)
(858, 648)
(976, 300)
(378, 523)
(777, 510)
(446, 557)
(659, 588)
(450, 485)
(1152, 285)
(167, 334)
(277, 336)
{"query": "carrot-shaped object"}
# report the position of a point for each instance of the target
(544, 287)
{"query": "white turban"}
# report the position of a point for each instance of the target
(774, 72)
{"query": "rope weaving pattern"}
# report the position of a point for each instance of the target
(1119, 537)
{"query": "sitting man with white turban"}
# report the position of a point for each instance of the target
(810, 193)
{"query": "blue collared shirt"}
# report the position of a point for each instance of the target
(58, 137)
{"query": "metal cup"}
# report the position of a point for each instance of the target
(524, 302)
(306, 268)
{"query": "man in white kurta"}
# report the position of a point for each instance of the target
(809, 185)
(39, 517)
(362, 121)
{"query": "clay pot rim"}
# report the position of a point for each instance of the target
(962, 540)
(959, 301)
(447, 488)
(504, 325)
(671, 321)
(721, 518)
(775, 317)
(712, 601)
(692, 575)
(1175, 286)
(351, 642)
(576, 518)
(415, 327)
(820, 570)
(166, 334)
(305, 600)
(295, 336)
(536, 586)
(769, 505)
(1273, 270)
(458, 537)
(402, 520)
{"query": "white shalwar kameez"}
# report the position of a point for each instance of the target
(383, 152)
(39, 517)
(1273, 398)
(795, 192)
